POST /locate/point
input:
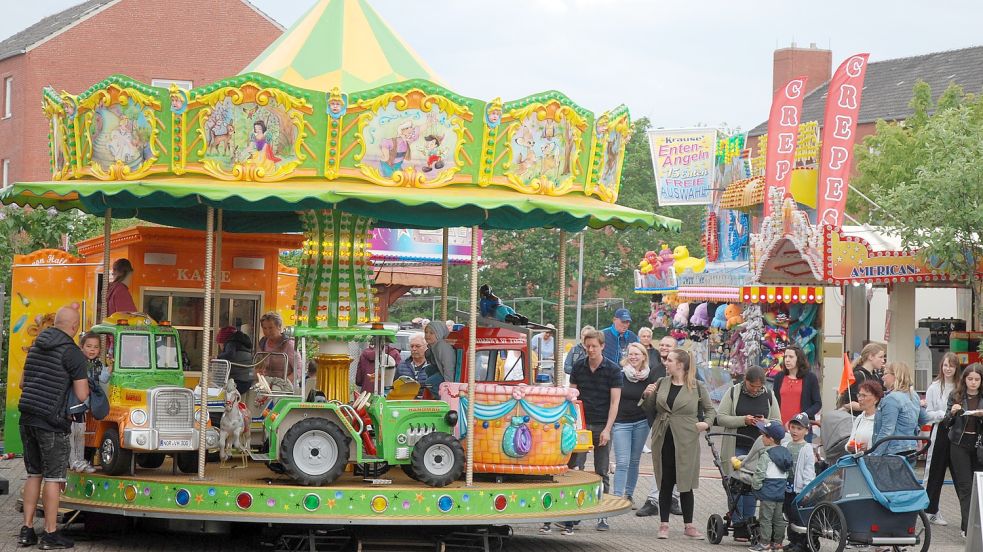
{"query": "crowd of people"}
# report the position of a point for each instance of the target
(638, 397)
(643, 397)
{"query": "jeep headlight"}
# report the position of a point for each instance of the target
(138, 416)
(211, 438)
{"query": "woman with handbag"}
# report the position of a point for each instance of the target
(964, 418)
(682, 409)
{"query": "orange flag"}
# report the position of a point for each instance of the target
(846, 378)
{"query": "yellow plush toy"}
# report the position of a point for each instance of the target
(684, 262)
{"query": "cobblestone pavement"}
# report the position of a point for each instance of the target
(628, 532)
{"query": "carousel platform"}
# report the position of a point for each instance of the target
(254, 494)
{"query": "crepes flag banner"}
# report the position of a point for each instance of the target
(839, 135)
(783, 134)
(684, 165)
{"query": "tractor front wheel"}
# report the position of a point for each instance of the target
(438, 459)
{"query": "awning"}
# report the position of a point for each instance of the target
(709, 293)
(782, 294)
(263, 207)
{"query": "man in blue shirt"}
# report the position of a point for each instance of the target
(415, 365)
(617, 336)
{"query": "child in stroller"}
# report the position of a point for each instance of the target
(736, 486)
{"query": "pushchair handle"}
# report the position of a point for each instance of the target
(725, 434)
(895, 438)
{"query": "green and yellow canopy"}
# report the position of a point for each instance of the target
(337, 114)
(258, 207)
(343, 44)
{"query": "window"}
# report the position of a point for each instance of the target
(8, 90)
(508, 366)
(185, 309)
(167, 352)
(134, 351)
(166, 83)
(6, 172)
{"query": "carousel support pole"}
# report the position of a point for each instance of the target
(107, 232)
(206, 340)
(218, 273)
(580, 282)
(444, 276)
(561, 305)
(472, 343)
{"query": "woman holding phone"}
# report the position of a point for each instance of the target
(741, 407)
(964, 420)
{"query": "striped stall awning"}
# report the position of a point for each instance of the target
(782, 294)
(709, 293)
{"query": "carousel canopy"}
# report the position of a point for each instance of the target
(337, 114)
(344, 44)
(257, 207)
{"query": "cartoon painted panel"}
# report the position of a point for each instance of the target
(61, 112)
(611, 158)
(415, 142)
(37, 292)
(121, 133)
(260, 135)
(543, 148)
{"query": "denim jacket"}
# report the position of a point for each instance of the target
(898, 414)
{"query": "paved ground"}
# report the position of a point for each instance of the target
(628, 532)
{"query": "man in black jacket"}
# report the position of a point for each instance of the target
(54, 365)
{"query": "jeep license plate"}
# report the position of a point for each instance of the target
(174, 444)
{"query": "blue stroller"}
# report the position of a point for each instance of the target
(864, 500)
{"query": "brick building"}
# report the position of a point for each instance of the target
(887, 86)
(189, 42)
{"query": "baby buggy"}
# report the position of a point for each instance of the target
(864, 499)
(719, 526)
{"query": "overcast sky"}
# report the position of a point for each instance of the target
(681, 63)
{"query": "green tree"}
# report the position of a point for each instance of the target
(927, 176)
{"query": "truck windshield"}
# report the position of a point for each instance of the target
(167, 357)
(134, 351)
(505, 365)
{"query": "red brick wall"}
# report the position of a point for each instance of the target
(197, 40)
(11, 128)
(792, 62)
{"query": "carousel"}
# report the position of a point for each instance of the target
(332, 156)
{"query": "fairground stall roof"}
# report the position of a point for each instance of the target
(409, 154)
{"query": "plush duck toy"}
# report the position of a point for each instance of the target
(683, 262)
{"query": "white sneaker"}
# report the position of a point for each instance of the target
(937, 519)
(646, 450)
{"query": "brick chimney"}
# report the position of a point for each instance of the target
(813, 62)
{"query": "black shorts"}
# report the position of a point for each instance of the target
(45, 453)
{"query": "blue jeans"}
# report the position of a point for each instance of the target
(629, 439)
(746, 503)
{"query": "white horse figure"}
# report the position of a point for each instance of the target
(234, 428)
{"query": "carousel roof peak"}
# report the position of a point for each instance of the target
(344, 44)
